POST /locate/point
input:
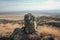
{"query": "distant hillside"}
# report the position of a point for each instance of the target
(45, 12)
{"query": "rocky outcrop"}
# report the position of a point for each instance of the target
(28, 32)
(20, 34)
(54, 24)
(48, 38)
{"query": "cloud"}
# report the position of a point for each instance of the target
(29, 5)
(50, 5)
(16, 0)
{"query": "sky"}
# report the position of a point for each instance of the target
(20, 5)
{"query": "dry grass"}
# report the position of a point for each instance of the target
(46, 30)
(12, 17)
(7, 29)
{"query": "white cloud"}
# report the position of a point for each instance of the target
(16, 6)
(48, 5)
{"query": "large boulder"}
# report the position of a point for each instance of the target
(18, 32)
(28, 32)
(29, 20)
(48, 38)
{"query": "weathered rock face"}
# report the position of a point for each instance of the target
(28, 32)
(29, 23)
(48, 38)
(20, 37)
(34, 36)
(56, 24)
(17, 34)
(20, 34)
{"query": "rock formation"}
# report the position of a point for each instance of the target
(29, 23)
(28, 32)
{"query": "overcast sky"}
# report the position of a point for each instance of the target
(19, 5)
